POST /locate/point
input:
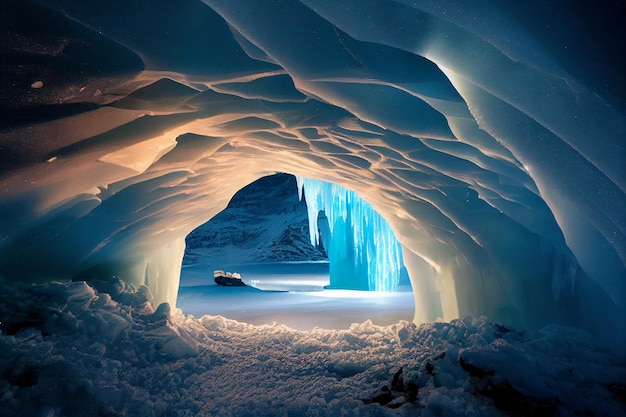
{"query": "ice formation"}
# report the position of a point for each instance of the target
(362, 249)
(489, 136)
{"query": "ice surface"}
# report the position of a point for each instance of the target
(300, 310)
(362, 249)
(289, 293)
(490, 137)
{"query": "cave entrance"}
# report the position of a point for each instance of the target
(264, 234)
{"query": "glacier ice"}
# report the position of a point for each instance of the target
(363, 251)
(489, 137)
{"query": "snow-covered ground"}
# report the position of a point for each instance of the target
(69, 349)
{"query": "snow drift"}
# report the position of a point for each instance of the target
(71, 350)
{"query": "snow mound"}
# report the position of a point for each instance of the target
(70, 350)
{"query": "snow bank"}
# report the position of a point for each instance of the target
(71, 350)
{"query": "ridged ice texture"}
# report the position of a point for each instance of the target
(363, 251)
(489, 136)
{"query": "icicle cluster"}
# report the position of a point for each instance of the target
(362, 249)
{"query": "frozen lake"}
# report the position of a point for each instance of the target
(293, 294)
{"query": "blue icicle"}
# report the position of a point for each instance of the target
(363, 251)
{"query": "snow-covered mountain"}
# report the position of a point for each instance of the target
(263, 222)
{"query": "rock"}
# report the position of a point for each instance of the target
(401, 392)
(383, 398)
(264, 222)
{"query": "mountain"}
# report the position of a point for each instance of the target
(263, 222)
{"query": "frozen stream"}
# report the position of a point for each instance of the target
(292, 294)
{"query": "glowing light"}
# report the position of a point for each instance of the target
(140, 156)
(363, 251)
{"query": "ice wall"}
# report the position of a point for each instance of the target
(363, 251)
(489, 136)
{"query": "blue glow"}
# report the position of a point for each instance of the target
(363, 251)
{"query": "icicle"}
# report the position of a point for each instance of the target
(363, 251)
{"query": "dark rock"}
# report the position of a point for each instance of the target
(430, 368)
(397, 383)
(400, 393)
(264, 222)
(411, 391)
(383, 398)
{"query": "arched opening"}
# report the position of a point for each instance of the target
(477, 237)
(488, 135)
(264, 235)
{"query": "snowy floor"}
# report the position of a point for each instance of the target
(292, 295)
(68, 349)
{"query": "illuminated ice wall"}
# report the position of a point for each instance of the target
(490, 135)
(363, 251)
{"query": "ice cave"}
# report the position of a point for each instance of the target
(490, 137)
